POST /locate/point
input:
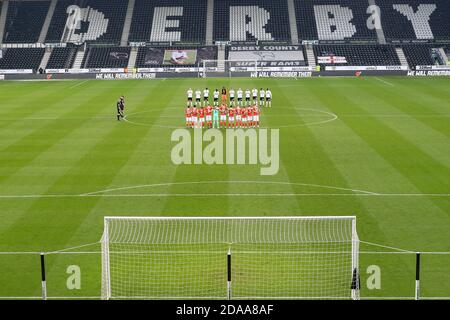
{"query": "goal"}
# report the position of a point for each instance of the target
(229, 68)
(230, 258)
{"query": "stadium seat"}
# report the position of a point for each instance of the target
(101, 21)
(21, 58)
(419, 55)
(333, 20)
(251, 20)
(432, 19)
(110, 57)
(360, 55)
(62, 58)
(24, 21)
(186, 21)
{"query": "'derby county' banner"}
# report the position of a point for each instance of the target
(278, 55)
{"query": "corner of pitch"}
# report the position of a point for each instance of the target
(229, 146)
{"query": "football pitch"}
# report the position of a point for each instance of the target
(374, 147)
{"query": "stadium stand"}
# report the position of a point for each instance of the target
(24, 21)
(359, 55)
(21, 58)
(110, 57)
(169, 20)
(251, 20)
(431, 19)
(149, 57)
(101, 21)
(62, 58)
(419, 55)
(333, 20)
(340, 26)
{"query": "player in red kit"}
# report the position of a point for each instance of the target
(194, 116)
(201, 117)
(256, 115)
(250, 122)
(231, 116)
(223, 115)
(238, 116)
(208, 115)
(187, 114)
(244, 117)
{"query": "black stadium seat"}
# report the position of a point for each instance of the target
(110, 57)
(22, 58)
(418, 55)
(360, 55)
(24, 21)
(61, 58)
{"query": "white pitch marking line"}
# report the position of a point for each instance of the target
(225, 182)
(385, 82)
(150, 195)
(78, 84)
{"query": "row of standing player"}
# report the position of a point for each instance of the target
(230, 117)
(236, 98)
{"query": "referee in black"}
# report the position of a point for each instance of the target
(120, 108)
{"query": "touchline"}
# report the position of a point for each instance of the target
(229, 146)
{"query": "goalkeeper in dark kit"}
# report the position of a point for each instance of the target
(120, 108)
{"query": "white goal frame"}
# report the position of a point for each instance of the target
(353, 274)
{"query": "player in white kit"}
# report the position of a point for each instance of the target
(268, 98)
(262, 96)
(239, 96)
(232, 93)
(205, 97)
(189, 97)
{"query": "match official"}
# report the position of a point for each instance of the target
(120, 108)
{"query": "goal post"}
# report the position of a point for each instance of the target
(229, 68)
(230, 258)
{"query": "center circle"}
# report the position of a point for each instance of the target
(282, 119)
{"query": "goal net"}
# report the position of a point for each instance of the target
(230, 258)
(229, 68)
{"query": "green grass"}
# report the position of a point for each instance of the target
(391, 137)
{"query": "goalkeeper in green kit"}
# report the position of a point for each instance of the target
(216, 117)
